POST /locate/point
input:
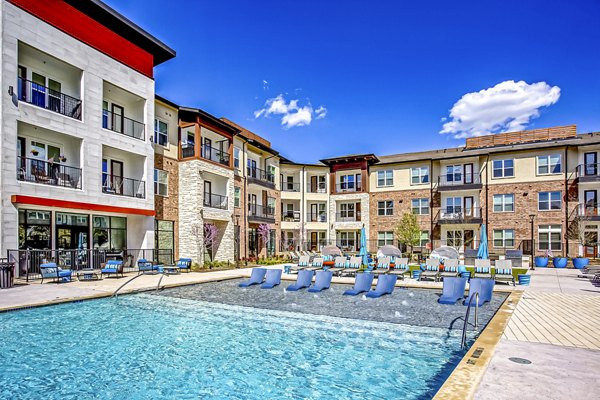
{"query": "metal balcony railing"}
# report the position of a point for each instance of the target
(215, 201)
(320, 187)
(53, 100)
(347, 216)
(260, 175)
(453, 180)
(122, 124)
(291, 216)
(120, 186)
(316, 217)
(48, 173)
(348, 187)
(290, 187)
(187, 150)
(587, 210)
(216, 155)
(459, 215)
(591, 170)
(261, 212)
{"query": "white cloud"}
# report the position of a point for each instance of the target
(265, 85)
(292, 114)
(508, 106)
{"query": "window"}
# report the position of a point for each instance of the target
(385, 178)
(161, 132)
(504, 202)
(454, 173)
(504, 238)
(347, 211)
(549, 164)
(549, 237)
(347, 240)
(385, 207)
(110, 233)
(548, 201)
(347, 182)
(164, 240)
(503, 168)
(161, 182)
(34, 229)
(236, 197)
(420, 206)
(419, 175)
(453, 205)
(424, 239)
(385, 238)
(271, 173)
(454, 238)
(270, 205)
(236, 158)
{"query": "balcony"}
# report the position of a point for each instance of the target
(215, 201)
(348, 187)
(187, 150)
(48, 173)
(459, 182)
(587, 212)
(290, 187)
(121, 124)
(215, 155)
(49, 99)
(259, 176)
(258, 213)
(587, 173)
(120, 186)
(318, 217)
(457, 215)
(291, 216)
(347, 217)
(320, 187)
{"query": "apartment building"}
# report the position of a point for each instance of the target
(77, 115)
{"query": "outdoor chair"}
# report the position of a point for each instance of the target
(450, 268)
(184, 264)
(303, 281)
(454, 290)
(52, 271)
(503, 272)
(383, 265)
(385, 285)
(362, 283)
(352, 267)
(339, 265)
(483, 269)
(257, 276)
(112, 267)
(400, 267)
(146, 266)
(317, 263)
(272, 279)
(432, 269)
(303, 262)
(485, 288)
(322, 281)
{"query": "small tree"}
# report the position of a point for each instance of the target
(210, 234)
(578, 233)
(408, 232)
(264, 231)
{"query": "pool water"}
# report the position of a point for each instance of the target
(157, 347)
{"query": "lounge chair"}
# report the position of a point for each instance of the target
(257, 276)
(53, 271)
(303, 281)
(146, 266)
(503, 272)
(303, 262)
(362, 283)
(322, 281)
(273, 278)
(293, 256)
(454, 290)
(484, 287)
(483, 269)
(184, 264)
(340, 264)
(432, 269)
(352, 267)
(385, 285)
(383, 266)
(112, 267)
(450, 268)
(317, 263)
(400, 267)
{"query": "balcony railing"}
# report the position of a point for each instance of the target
(290, 187)
(187, 150)
(216, 155)
(588, 211)
(215, 201)
(348, 187)
(347, 216)
(291, 216)
(261, 212)
(48, 173)
(117, 185)
(588, 172)
(320, 187)
(456, 181)
(260, 175)
(316, 217)
(53, 100)
(456, 215)
(122, 124)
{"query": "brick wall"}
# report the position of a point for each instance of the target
(167, 208)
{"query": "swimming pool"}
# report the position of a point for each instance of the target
(146, 346)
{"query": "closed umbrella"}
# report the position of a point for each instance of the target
(331, 251)
(389, 251)
(483, 245)
(363, 247)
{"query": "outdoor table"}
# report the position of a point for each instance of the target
(88, 274)
(170, 269)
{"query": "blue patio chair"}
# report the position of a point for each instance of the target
(52, 271)
(485, 288)
(385, 285)
(322, 281)
(362, 283)
(454, 290)
(184, 263)
(112, 267)
(303, 281)
(257, 276)
(273, 278)
(146, 266)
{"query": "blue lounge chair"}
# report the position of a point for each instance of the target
(184, 263)
(385, 285)
(52, 271)
(303, 281)
(257, 276)
(362, 283)
(484, 287)
(146, 266)
(273, 278)
(112, 267)
(322, 281)
(454, 290)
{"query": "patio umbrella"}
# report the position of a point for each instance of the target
(331, 251)
(363, 247)
(483, 245)
(445, 253)
(389, 251)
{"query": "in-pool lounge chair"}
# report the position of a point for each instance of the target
(303, 262)
(184, 264)
(503, 272)
(339, 265)
(483, 269)
(362, 283)
(257, 276)
(303, 281)
(352, 267)
(112, 267)
(322, 281)
(454, 290)
(385, 285)
(450, 268)
(317, 263)
(383, 265)
(400, 267)
(432, 269)
(484, 287)
(52, 271)
(273, 278)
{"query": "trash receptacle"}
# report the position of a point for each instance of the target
(7, 275)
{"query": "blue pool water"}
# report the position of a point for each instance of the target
(156, 347)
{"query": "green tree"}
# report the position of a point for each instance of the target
(408, 232)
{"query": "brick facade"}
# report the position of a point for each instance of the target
(167, 207)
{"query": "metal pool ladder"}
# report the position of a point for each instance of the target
(463, 340)
(137, 276)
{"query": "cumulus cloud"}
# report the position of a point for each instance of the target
(508, 106)
(292, 114)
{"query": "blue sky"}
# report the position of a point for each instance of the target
(379, 76)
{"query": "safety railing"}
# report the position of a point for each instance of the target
(50, 99)
(48, 173)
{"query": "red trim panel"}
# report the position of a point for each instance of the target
(78, 205)
(84, 28)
